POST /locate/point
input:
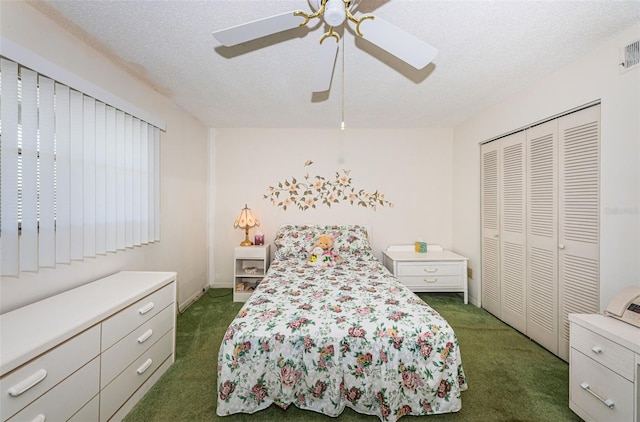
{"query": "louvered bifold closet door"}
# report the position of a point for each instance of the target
(512, 231)
(490, 189)
(542, 234)
(578, 237)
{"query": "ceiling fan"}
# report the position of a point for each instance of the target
(374, 29)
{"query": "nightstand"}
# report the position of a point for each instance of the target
(250, 265)
(604, 367)
(434, 271)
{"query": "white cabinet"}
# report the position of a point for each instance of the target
(604, 368)
(249, 268)
(65, 399)
(540, 226)
(135, 342)
(87, 354)
(437, 271)
(56, 370)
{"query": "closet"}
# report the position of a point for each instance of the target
(540, 226)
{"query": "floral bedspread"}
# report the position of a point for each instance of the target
(323, 338)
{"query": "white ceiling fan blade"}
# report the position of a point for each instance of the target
(258, 28)
(397, 41)
(325, 62)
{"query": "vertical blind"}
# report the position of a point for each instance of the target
(78, 177)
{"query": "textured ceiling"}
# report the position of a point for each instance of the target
(487, 52)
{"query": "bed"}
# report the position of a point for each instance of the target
(326, 338)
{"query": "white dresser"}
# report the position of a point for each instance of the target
(604, 366)
(88, 354)
(433, 271)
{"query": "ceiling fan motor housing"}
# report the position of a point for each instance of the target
(334, 12)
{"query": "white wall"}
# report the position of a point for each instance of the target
(183, 177)
(411, 167)
(595, 76)
(436, 196)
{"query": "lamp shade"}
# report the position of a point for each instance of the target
(246, 219)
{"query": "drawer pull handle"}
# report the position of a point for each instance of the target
(145, 336)
(608, 402)
(430, 280)
(39, 418)
(596, 349)
(28, 383)
(144, 366)
(146, 308)
(431, 269)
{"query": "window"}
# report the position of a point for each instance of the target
(79, 177)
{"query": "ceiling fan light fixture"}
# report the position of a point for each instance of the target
(334, 12)
(377, 31)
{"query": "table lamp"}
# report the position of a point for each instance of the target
(246, 220)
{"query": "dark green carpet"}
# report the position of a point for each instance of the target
(510, 378)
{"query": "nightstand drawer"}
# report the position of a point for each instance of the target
(433, 282)
(430, 269)
(603, 350)
(250, 252)
(600, 393)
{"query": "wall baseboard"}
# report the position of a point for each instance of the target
(190, 300)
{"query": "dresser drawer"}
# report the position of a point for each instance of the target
(120, 355)
(32, 380)
(588, 379)
(127, 320)
(428, 269)
(125, 384)
(603, 350)
(89, 412)
(432, 282)
(66, 398)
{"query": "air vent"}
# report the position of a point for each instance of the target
(630, 56)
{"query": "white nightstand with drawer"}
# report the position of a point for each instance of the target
(604, 366)
(250, 266)
(433, 271)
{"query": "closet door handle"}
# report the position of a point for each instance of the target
(596, 349)
(561, 246)
(28, 383)
(607, 402)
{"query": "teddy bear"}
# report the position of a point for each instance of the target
(315, 257)
(323, 253)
